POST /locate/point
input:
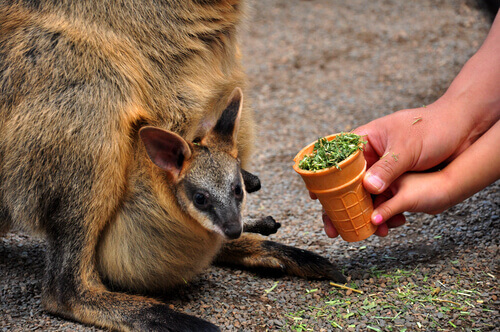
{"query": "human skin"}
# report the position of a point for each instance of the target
(419, 160)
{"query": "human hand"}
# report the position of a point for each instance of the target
(432, 191)
(407, 141)
(413, 140)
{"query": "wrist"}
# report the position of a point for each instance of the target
(465, 116)
(445, 181)
(474, 169)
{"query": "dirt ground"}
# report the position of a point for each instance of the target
(314, 68)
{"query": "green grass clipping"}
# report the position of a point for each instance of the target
(328, 154)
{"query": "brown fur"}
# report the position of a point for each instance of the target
(78, 81)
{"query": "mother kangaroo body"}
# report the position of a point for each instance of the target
(123, 141)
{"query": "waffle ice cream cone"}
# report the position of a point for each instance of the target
(342, 194)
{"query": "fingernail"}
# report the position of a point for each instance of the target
(375, 181)
(378, 219)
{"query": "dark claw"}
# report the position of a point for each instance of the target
(265, 226)
(252, 182)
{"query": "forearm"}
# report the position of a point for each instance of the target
(475, 168)
(475, 92)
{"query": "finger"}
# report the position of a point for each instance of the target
(389, 209)
(393, 222)
(329, 228)
(382, 230)
(377, 201)
(396, 221)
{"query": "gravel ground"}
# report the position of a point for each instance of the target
(337, 64)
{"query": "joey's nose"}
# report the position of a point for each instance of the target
(233, 231)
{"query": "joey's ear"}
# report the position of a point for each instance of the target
(226, 128)
(166, 149)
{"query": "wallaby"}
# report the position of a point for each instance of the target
(123, 133)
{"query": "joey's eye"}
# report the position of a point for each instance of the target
(200, 200)
(238, 191)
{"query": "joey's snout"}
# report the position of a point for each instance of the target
(232, 231)
(229, 222)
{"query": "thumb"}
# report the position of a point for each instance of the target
(382, 173)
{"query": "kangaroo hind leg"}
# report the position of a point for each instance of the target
(72, 289)
(253, 252)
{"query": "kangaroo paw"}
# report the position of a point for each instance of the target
(264, 226)
(252, 182)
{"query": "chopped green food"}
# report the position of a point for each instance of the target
(417, 119)
(330, 153)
